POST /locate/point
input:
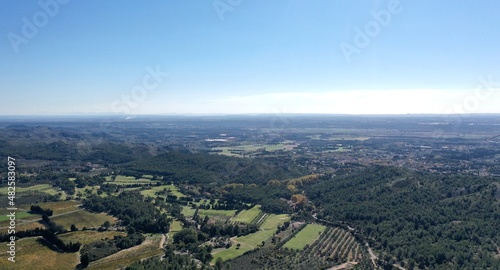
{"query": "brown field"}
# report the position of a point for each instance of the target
(32, 254)
(21, 223)
(123, 258)
(85, 237)
(59, 207)
(29, 226)
(82, 219)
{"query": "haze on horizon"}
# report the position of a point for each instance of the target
(238, 57)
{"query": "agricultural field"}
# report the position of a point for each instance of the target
(247, 216)
(173, 191)
(60, 207)
(189, 212)
(45, 188)
(32, 252)
(23, 218)
(19, 215)
(28, 225)
(82, 218)
(305, 237)
(333, 248)
(251, 241)
(87, 190)
(127, 180)
(123, 178)
(337, 245)
(149, 248)
(26, 220)
(85, 237)
(175, 227)
(273, 220)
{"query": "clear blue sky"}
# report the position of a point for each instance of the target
(256, 56)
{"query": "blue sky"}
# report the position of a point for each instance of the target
(249, 56)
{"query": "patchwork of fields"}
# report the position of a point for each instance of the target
(251, 241)
(313, 240)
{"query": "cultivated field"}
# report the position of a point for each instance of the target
(188, 211)
(19, 215)
(60, 207)
(247, 216)
(85, 237)
(305, 237)
(123, 258)
(251, 241)
(82, 219)
(337, 245)
(45, 188)
(31, 253)
(173, 191)
(175, 227)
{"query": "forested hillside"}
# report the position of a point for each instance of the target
(205, 168)
(423, 219)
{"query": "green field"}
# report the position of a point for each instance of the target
(23, 217)
(83, 191)
(45, 188)
(175, 227)
(272, 221)
(123, 178)
(251, 241)
(31, 253)
(173, 191)
(82, 219)
(128, 183)
(188, 211)
(130, 179)
(306, 236)
(247, 216)
(19, 215)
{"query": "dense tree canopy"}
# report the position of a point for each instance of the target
(431, 219)
(132, 210)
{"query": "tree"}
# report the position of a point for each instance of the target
(187, 236)
(106, 224)
(73, 228)
(218, 263)
(84, 260)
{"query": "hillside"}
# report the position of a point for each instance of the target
(420, 219)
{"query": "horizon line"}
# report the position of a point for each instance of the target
(240, 114)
